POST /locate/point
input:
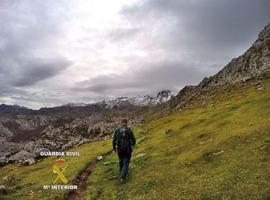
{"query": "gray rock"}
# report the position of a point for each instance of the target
(9, 148)
(245, 79)
(5, 132)
(30, 146)
(73, 141)
(100, 158)
(257, 83)
(29, 161)
(22, 155)
(3, 161)
(42, 149)
(3, 189)
(9, 179)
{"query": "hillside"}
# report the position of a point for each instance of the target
(217, 152)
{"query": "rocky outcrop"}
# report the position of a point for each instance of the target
(164, 96)
(9, 148)
(29, 135)
(255, 62)
(29, 161)
(3, 190)
(21, 156)
(3, 161)
(4, 132)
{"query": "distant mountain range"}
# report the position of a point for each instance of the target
(147, 100)
(14, 109)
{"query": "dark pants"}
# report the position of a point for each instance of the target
(124, 158)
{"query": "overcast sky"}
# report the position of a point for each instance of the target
(54, 52)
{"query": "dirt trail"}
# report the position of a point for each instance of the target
(81, 179)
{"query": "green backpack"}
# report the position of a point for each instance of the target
(124, 140)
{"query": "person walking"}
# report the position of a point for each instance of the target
(123, 142)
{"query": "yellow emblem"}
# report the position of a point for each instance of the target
(59, 171)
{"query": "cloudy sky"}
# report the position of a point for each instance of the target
(54, 52)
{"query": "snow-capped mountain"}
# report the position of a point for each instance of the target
(147, 100)
(165, 95)
(75, 104)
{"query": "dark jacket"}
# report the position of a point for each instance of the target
(117, 135)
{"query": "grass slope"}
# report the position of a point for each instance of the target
(26, 182)
(221, 151)
(218, 152)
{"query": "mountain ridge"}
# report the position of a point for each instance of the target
(146, 100)
(249, 66)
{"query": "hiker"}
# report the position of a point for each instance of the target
(123, 141)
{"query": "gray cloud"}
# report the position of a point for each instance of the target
(39, 70)
(124, 33)
(207, 30)
(28, 51)
(206, 34)
(149, 78)
(160, 45)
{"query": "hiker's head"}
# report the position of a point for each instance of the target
(124, 121)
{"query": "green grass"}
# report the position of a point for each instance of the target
(29, 180)
(217, 152)
(220, 151)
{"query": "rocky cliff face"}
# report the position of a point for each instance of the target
(253, 63)
(164, 96)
